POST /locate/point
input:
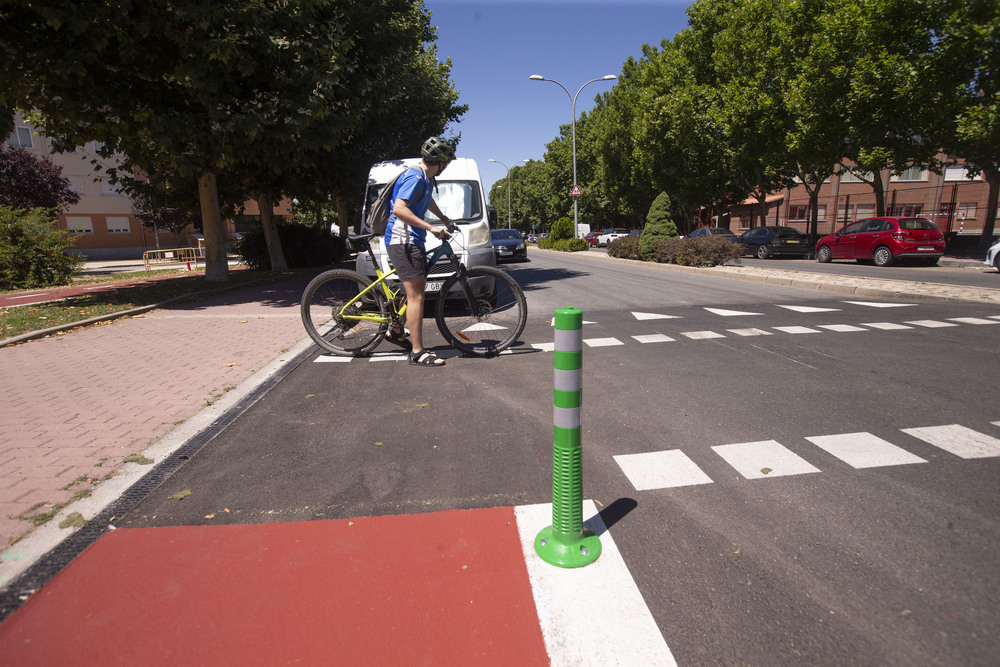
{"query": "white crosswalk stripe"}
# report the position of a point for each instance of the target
(653, 338)
(602, 342)
(973, 320)
(885, 326)
(768, 458)
(932, 324)
(810, 309)
(798, 330)
(750, 332)
(874, 304)
(730, 313)
(841, 328)
(701, 335)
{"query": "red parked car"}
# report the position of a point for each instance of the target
(591, 238)
(883, 241)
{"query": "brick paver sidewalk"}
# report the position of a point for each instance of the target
(75, 405)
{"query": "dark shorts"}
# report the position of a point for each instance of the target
(408, 260)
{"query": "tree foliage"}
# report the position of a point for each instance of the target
(32, 252)
(659, 225)
(27, 181)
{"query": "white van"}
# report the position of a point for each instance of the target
(460, 196)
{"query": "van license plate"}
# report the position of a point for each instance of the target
(434, 286)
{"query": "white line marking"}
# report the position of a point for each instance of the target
(654, 316)
(874, 304)
(798, 330)
(388, 356)
(887, 326)
(958, 440)
(577, 605)
(653, 338)
(864, 450)
(841, 328)
(972, 320)
(602, 342)
(26, 296)
(809, 309)
(661, 470)
(331, 358)
(931, 324)
(701, 335)
(750, 332)
(730, 313)
(767, 458)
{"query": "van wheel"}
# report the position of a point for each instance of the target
(882, 256)
(823, 254)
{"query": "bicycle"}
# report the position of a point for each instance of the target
(480, 310)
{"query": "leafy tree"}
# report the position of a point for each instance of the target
(27, 181)
(33, 253)
(245, 92)
(964, 71)
(659, 225)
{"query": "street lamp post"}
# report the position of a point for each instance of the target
(508, 184)
(539, 77)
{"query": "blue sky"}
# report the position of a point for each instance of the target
(496, 45)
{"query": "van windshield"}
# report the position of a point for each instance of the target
(459, 200)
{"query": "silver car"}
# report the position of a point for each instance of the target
(993, 256)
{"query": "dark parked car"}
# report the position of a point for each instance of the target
(720, 232)
(508, 244)
(883, 241)
(774, 241)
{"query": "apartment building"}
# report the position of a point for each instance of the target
(102, 222)
(953, 200)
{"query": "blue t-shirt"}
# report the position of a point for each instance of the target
(398, 232)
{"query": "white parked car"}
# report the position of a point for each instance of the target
(609, 235)
(993, 256)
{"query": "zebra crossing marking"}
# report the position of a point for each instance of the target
(661, 470)
(864, 450)
(653, 338)
(973, 320)
(885, 326)
(876, 304)
(841, 328)
(766, 458)
(958, 440)
(654, 316)
(810, 309)
(701, 335)
(750, 332)
(932, 324)
(798, 330)
(602, 342)
(730, 313)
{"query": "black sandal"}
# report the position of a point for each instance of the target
(425, 358)
(399, 338)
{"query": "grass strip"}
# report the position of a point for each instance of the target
(155, 289)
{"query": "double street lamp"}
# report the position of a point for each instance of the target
(539, 77)
(508, 183)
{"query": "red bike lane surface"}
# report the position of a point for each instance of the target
(448, 587)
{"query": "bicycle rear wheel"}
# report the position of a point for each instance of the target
(492, 321)
(339, 330)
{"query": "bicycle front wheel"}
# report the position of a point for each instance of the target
(488, 318)
(347, 330)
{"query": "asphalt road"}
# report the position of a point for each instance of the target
(751, 542)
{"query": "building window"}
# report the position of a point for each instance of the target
(865, 211)
(959, 173)
(76, 184)
(850, 175)
(918, 174)
(967, 210)
(798, 212)
(109, 189)
(21, 138)
(904, 210)
(117, 225)
(79, 225)
(843, 213)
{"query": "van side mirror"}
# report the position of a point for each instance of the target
(491, 216)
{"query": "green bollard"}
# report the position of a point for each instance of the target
(566, 543)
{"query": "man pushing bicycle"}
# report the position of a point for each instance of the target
(405, 236)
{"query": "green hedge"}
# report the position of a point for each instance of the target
(563, 245)
(32, 251)
(699, 251)
(303, 246)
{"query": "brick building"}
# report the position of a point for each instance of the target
(955, 202)
(102, 221)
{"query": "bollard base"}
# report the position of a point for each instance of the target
(551, 548)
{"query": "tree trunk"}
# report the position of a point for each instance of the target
(216, 264)
(344, 217)
(879, 189)
(271, 237)
(992, 177)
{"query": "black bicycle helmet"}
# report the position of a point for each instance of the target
(436, 149)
